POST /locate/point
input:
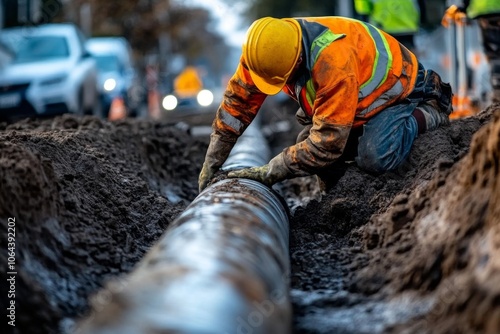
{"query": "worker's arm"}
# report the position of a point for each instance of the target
(242, 100)
(334, 112)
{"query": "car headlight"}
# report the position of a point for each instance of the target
(205, 98)
(169, 102)
(54, 80)
(109, 84)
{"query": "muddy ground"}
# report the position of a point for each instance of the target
(412, 251)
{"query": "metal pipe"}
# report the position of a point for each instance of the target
(251, 150)
(221, 267)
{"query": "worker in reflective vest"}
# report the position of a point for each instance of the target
(399, 18)
(362, 95)
(487, 12)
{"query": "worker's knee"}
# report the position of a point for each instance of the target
(378, 159)
(371, 162)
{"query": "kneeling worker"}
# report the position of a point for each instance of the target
(362, 96)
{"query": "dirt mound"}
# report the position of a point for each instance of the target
(450, 229)
(422, 263)
(412, 250)
(342, 268)
(89, 198)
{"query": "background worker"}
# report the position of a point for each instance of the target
(364, 103)
(487, 12)
(400, 18)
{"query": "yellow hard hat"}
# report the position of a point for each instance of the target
(271, 50)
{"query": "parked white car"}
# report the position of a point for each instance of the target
(51, 73)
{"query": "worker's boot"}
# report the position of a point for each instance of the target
(432, 118)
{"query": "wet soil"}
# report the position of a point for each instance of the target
(411, 251)
(414, 251)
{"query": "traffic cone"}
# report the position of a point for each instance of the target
(462, 107)
(154, 104)
(117, 109)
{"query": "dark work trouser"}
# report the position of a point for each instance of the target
(385, 141)
(490, 31)
(388, 137)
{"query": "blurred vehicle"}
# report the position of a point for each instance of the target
(117, 76)
(50, 73)
(189, 94)
(204, 98)
(6, 55)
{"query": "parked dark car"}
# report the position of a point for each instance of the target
(116, 74)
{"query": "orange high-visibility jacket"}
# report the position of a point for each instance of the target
(353, 71)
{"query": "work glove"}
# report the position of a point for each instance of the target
(275, 171)
(217, 153)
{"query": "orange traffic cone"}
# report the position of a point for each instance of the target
(117, 109)
(154, 104)
(463, 107)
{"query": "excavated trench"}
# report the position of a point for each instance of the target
(414, 251)
(229, 248)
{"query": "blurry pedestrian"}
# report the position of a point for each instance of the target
(362, 97)
(487, 12)
(399, 18)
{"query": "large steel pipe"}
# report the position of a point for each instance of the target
(221, 267)
(251, 150)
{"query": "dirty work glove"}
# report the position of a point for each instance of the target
(275, 171)
(217, 153)
(207, 173)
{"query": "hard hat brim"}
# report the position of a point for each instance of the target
(266, 87)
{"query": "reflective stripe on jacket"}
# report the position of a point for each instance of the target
(392, 16)
(352, 71)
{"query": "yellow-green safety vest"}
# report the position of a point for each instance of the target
(392, 16)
